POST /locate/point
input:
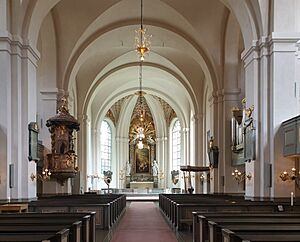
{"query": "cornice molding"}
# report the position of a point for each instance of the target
(267, 45)
(14, 45)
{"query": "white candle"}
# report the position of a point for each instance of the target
(292, 199)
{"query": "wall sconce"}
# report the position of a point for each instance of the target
(45, 176)
(202, 177)
(240, 176)
(285, 176)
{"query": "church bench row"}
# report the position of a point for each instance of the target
(180, 211)
(168, 202)
(260, 236)
(108, 208)
(200, 220)
(258, 226)
(184, 212)
(81, 226)
(206, 228)
(60, 236)
(21, 229)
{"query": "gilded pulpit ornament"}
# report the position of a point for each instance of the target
(62, 161)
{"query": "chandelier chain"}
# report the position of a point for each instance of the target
(141, 16)
(141, 80)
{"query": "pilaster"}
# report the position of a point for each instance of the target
(271, 87)
(81, 178)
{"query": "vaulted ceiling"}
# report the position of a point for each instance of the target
(93, 50)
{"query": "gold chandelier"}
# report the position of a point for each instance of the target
(142, 40)
(142, 43)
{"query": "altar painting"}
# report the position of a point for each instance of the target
(142, 160)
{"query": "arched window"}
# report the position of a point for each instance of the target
(105, 142)
(176, 150)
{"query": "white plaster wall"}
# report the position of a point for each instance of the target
(285, 16)
(46, 78)
(5, 116)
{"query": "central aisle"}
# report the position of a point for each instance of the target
(143, 222)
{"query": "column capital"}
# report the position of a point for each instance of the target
(196, 117)
(267, 45)
(49, 94)
(83, 118)
(161, 139)
(298, 49)
(185, 130)
(122, 139)
(213, 99)
(229, 94)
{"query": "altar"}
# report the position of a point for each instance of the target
(141, 185)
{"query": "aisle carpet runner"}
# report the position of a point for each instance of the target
(143, 222)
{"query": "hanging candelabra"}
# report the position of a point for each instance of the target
(142, 40)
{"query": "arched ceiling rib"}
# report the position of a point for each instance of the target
(95, 39)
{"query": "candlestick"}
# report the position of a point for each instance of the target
(292, 199)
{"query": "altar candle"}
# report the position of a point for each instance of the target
(292, 199)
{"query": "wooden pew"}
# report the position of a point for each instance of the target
(108, 208)
(184, 211)
(182, 214)
(60, 236)
(283, 235)
(200, 222)
(215, 229)
(86, 231)
(74, 229)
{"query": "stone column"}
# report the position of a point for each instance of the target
(122, 157)
(162, 159)
(18, 109)
(81, 178)
(214, 173)
(163, 164)
(5, 100)
(230, 99)
(270, 87)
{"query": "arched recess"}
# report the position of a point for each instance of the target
(94, 165)
(248, 17)
(246, 12)
(46, 76)
(190, 46)
(101, 106)
(107, 85)
(36, 13)
(233, 89)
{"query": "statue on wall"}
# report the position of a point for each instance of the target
(154, 168)
(213, 154)
(128, 168)
(175, 176)
(249, 133)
